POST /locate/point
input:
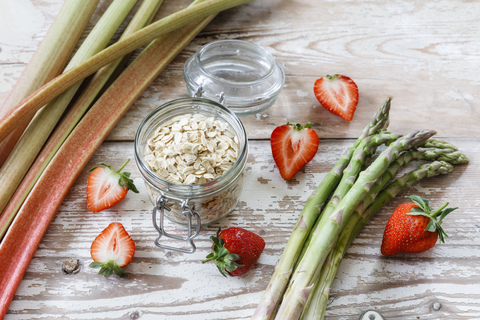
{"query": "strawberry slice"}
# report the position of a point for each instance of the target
(293, 146)
(338, 94)
(112, 250)
(106, 187)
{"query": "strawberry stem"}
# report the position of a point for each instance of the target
(425, 210)
(123, 166)
(330, 77)
(435, 213)
(300, 127)
(224, 260)
(108, 268)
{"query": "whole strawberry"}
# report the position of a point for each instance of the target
(235, 250)
(414, 227)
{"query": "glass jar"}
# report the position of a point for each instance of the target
(225, 78)
(243, 76)
(206, 202)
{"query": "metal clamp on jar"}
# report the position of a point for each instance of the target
(192, 152)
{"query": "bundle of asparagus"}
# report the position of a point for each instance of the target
(343, 203)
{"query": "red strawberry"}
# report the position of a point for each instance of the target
(235, 250)
(338, 94)
(293, 146)
(106, 187)
(112, 250)
(414, 227)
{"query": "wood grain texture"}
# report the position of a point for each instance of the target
(169, 285)
(424, 55)
(421, 54)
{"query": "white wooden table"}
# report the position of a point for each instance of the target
(423, 54)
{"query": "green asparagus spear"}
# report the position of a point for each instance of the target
(313, 206)
(325, 237)
(364, 212)
(437, 143)
(432, 149)
(448, 155)
(364, 150)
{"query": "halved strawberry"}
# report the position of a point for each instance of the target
(293, 146)
(106, 187)
(112, 250)
(338, 94)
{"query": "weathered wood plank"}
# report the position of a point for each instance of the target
(421, 54)
(408, 51)
(425, 55)
(169, 285)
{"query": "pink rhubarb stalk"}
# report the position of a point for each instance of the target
(38, 210)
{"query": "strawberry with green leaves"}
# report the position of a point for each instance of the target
(112, 250)
(235, 250)
(338, 94)
(414, 227)
(293, 146)
(106, 187)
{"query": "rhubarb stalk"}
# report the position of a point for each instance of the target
(140, 38)
(48, 61)
(33, 218)
(142, 17)
(41, 126)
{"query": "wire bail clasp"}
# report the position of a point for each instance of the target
(188, 211)
(199, 93)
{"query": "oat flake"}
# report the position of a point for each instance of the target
(192, 149)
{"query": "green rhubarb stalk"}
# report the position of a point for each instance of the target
(316, 306)
(142, 17)
(25, 234)
(117, 50)
(48, 61)
(41, 126)
(324, 238)
(271, 298)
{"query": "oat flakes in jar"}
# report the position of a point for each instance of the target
(192, 154)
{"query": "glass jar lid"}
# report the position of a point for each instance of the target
(241, 75)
